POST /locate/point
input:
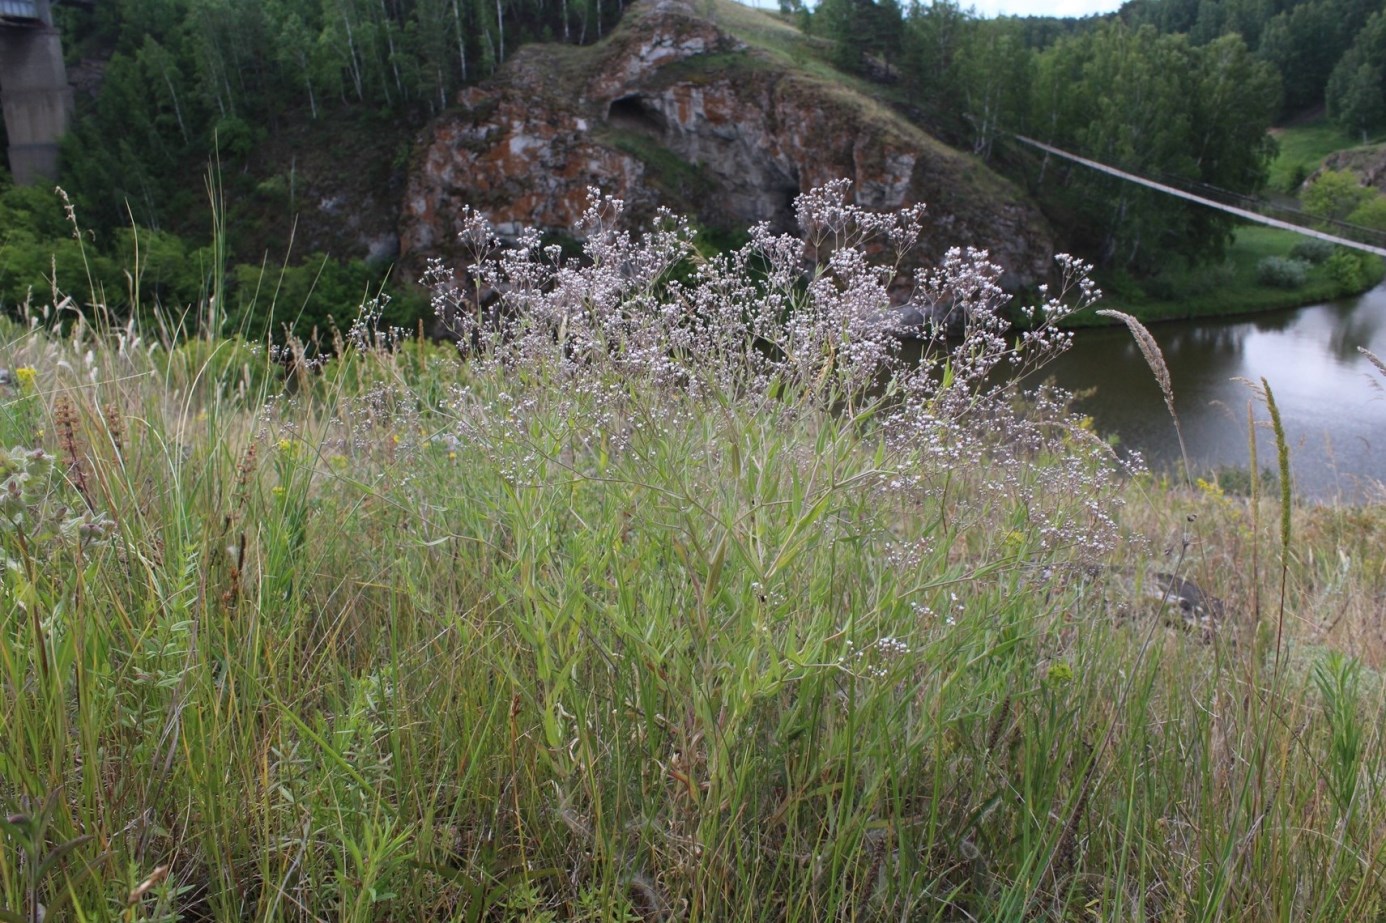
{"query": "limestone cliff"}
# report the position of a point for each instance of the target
(676, 108)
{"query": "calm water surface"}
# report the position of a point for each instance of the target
(1331, 399)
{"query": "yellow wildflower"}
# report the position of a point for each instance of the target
(26, 376)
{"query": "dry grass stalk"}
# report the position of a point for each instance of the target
(115, 426)
(1374, 359)
(1282, 450)
(1150, 350)
(67, 419)
(1255, 481)
(1156, 360)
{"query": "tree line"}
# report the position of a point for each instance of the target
(180, 73)
(1181, 90)
(183, 81)
(1325, 52)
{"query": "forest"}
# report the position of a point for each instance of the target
(1180, 91)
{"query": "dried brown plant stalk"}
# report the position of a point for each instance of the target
(115, 425)
(1156, 360)
(1374, 359)
(66, 418)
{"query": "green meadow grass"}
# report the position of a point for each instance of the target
(1302, 148)
(418, 637)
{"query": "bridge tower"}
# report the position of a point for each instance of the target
(34, 91)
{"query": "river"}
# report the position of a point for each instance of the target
(1332, 400)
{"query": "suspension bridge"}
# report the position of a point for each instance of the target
(1244, 213)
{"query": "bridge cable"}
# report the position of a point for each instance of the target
(1191, 197)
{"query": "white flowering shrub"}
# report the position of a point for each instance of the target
(642, 332)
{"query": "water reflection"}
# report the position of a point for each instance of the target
(1330, 397)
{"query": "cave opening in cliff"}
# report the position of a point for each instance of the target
(634, 113)
(784, 196)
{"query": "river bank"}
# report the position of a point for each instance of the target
(1328, 393)
(1230, 288)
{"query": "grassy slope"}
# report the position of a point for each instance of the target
(1302, 148)
(806, 58)
(328, 664)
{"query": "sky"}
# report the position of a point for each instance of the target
(988, 8)
(1043, 7)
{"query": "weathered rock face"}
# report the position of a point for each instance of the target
(1368, 162)
(673, 110)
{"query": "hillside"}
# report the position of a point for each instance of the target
(719, 112)
(593, 625)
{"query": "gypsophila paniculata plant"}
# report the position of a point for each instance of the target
(641, 328)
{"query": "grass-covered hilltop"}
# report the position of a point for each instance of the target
(674, 593)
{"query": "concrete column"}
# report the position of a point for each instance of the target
(36, 96)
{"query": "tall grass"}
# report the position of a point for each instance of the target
(658, 600)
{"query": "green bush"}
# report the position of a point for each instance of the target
(1296, 179)
(1370, 214)
(1280, 272)
(1312, 250)
(1348, 269)
(314, 300)
(1335, 194)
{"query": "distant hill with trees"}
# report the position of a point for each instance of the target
(312, 109)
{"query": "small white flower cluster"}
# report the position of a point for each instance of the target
(770, 598)
(875, 659)
(366, 333)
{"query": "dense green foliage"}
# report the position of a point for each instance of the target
(1305, 40)
(1356, 90)
(1191, 115)
(1335, 194)
(1155, 102)
(1180, 90)
(47, 257)
(184, 75)
(192, 86)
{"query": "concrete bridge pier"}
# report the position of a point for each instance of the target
(36, 96)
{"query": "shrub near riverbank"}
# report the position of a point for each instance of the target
(651, 608)
(1239, 285)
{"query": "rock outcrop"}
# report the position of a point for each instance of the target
(1368, 162)
(674, 109)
